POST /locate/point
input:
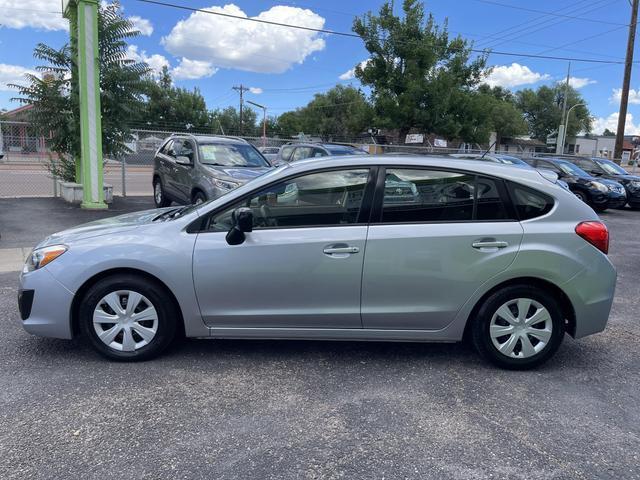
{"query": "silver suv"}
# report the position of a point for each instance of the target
(350, 248)
(194, 169)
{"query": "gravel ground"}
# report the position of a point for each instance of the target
(274, 409)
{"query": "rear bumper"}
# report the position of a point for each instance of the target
(591, 293)
(45, 305)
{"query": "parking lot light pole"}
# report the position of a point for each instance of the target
(84, 28)
(566, 123)
(264, 121)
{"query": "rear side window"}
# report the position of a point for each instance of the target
(416, 196)
(489, 202)
(530, 203)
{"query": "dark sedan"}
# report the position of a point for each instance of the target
(599, 194)
(604, 168)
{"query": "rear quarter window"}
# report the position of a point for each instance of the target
(530, 203)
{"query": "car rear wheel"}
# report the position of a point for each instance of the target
(518, 327)
(127, 318)
(159, 197)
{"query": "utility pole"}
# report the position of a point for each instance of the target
(241, 88)
(562, 128)
(626, 82)
(264, 121)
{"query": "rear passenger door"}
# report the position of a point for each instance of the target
(435, 237)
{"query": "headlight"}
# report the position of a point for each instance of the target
(225, 185)
(601, 187)
(635, 183)
(43, 256)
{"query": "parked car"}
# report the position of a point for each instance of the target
(599, 194)
(514, 266)
(270, 153)
(604, 168)
(514, 161)
(300, 151)
(194, 169)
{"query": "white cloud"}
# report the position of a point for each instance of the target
(142, 24)
(514, 75)
(155, 61)
(13, 74)
(579, 82)
(351, 73)
(255, 90)
(611, 122)
(634, 96)
(245, 45)
(41, 14)
(193, 69)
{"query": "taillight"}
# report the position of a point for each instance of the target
(596, 233)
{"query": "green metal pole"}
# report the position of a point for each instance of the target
(90, 119)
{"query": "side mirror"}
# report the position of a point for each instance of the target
(182, 160)
(242, 219)
(595, 173)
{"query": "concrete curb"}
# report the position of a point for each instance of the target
(12, 259)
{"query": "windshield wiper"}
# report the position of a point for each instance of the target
(170, 213)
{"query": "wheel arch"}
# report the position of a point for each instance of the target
(197, 189)
(564, 302)
(80, 293)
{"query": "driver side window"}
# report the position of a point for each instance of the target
(318, 199)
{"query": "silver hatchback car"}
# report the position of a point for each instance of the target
(354, 248)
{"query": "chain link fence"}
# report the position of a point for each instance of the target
(25, 172)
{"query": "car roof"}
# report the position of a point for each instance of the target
(211, 139)
(513, 172)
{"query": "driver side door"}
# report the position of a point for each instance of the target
(300, 267)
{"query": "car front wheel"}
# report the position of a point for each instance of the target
(159, 197)
(518, 327)
(127, 318)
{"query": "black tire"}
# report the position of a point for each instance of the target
(166, 313)
(199, 197)
(581, 195)
(480, 327)
(159, 197)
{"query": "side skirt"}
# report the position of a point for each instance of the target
(347, 334)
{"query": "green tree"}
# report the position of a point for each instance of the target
(418, 75)
(173, 108)
(542, 109)
(227, 120)
(504, 116)
(55, 98)
(608, 133)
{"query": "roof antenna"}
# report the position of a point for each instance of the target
(488, 149)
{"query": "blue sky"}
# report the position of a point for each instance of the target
(285, 68)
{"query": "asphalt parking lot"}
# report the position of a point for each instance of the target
(275, 409)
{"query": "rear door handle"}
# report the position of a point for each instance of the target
(489, 244)
(340, 250)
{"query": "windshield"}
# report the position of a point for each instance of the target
(231, 155)
(344, 150)
(611, 168)
(571, 169)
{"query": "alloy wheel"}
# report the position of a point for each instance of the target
(157, 192)
(521, 328)
(125, 320)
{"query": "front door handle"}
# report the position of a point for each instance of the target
(489, 244)
(338, 250)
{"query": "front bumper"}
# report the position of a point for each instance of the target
(45, 305)
(617, 200)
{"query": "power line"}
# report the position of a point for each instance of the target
(250, 19)
(572, 17)
(353, 35)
